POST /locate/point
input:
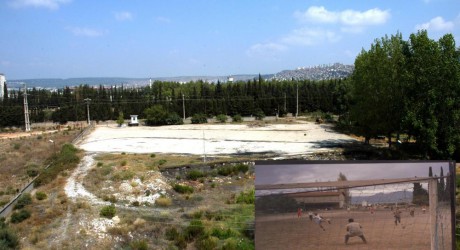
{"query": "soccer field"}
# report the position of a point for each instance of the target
(287, 231)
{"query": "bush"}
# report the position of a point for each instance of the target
(8, 238)
(221, 118)
(259, 114)
(40, 196)
(171, 233)
(207, 243)
(32, 172)
(194, 229)
(232, 170)
(183, 189)
(246, 197)
(174, 119)
(24, 199)
(20, 216)
(163, 201)
(195, 175)
(237, 118)
(199, 118)
(108, 211)
(157, 116)
(139, 245)
(162, 161)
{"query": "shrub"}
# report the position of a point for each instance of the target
(152, 155)
(108, 211)
(39, 137)
(207, 243)
(24, 199)
(32, 172)
(237, 118)
(20, 216)
(40, 196)
(8, 239)
(99, 164)
(183, 189)
(180, 242)
(110, 198)
(243, 168)
(195, 175)
(230, 244)
(17, 146)
(123, 163)
(135, 203)
(221, 118)
(174, 119)
(199, 118)
(171, 233)
(194, 229)
(163, 201)
(246, 197)
(162, 161)
(259, 114)
(139, 245)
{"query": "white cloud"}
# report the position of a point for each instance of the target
(88, 32)
(123, 16)
(265, 49)
(49, 4)
(436, 24)
(319, 14)
(309, 36)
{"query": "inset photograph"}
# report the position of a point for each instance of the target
(354, 205)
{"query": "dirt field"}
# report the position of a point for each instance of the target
(216, 139)
(286, 231)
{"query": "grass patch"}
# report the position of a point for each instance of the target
(108, 211)
(163, 202)
(17, 217)
(40, 195)
(67, 159)
(183, 189)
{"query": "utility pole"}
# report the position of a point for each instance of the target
(183, 106)
(87, 100)
(26, 110)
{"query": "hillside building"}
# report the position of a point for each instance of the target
(2, 86)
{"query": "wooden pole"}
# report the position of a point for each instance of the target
(433, 197)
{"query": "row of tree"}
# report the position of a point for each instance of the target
(243, 98)
(409, 87)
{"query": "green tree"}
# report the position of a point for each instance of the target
(120, 119)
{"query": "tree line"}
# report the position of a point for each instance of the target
(399, 87)
(244, 98)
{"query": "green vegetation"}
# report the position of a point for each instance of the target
(221, 118)
(409, 87)
(67, 159)
(157, 115)
(24, 200)
(195, 174)
(120, 119)
(246, 197)
(232, 170)
(108, 211)
(8, 238)
(183, 189)
(17, 217)
(199, 118)
(237, 118)
(40, 195)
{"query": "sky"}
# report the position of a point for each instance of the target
(312, 172)
(280, 173)
(143, 38)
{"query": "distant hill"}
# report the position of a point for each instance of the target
(333, 71)
(322, 72)
(399, 196)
